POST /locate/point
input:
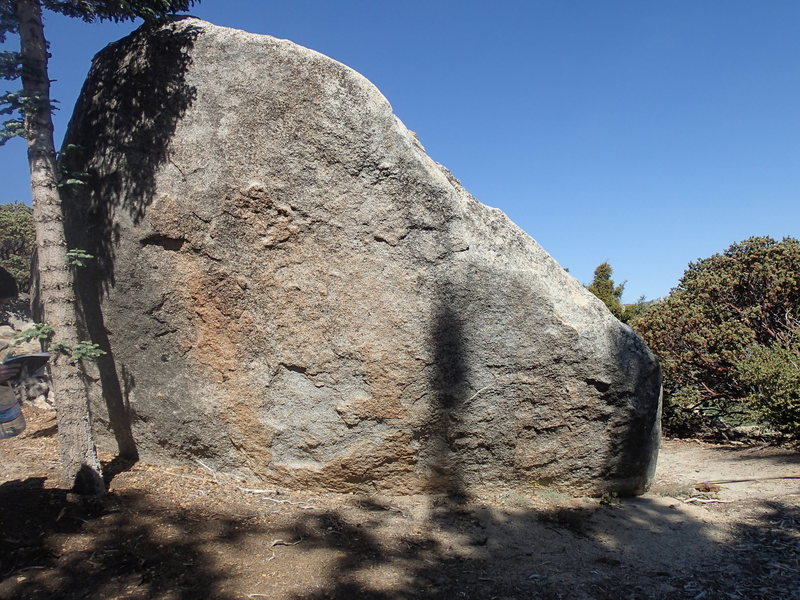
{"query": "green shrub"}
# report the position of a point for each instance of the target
(17, 242)
(773, 374)
(720, 331)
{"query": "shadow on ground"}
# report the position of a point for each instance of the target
(125, 546)
(160, 535)
(644, 549)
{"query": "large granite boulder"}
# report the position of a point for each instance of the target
(290, 288)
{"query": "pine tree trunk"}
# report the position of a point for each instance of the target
(81, 467)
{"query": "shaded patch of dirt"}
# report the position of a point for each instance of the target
(720, 522)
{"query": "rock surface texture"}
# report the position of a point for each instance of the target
(290, 288)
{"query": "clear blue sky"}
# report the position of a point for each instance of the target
(643, 133)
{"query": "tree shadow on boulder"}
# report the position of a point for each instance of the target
(129, 108)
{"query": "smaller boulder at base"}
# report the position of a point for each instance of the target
(289, 288)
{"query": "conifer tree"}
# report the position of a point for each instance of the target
(603, 287)
(30, 117)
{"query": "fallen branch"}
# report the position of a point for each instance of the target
(705, 500)
(214, 474)
(218, 481)
(282, 543)
(275, 500)
(274, 556)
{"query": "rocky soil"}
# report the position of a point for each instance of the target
(721, 521)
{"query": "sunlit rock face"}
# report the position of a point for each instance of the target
(290, 288)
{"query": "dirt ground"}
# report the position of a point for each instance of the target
(721, 521)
